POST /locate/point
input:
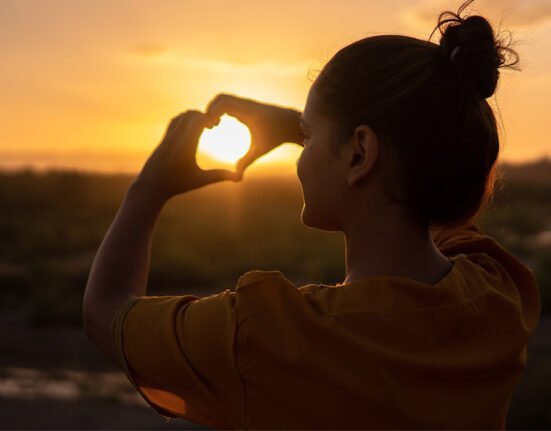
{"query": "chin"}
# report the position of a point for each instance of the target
(316, 222)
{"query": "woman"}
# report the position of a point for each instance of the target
(430, 327)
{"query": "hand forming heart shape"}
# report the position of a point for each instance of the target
(269, 125)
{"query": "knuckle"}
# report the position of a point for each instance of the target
(228, 98)
(188, 115)
(214, 102)
(177, 117)
(219, 97)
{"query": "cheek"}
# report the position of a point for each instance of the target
(320, 190)
(307, 167)
(306, 175)
(300, 166)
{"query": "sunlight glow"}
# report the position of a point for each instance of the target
(227, 142)
(107, 112)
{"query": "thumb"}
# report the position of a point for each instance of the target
(245, 161)
(216, 175)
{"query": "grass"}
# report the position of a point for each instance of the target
(52, 224)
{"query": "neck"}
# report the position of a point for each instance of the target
(395, 247)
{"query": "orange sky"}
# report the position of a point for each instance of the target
(93, 85)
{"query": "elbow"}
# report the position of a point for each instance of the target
(98, 313)
(97, 317)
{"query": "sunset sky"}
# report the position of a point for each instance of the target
(93, 84)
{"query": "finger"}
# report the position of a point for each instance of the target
(227, 107)
(182, 119)
(210, 120)
(185, 132)
(245, 161)
(196, 124)
(173, 124)
(216, 175)
(231, 105)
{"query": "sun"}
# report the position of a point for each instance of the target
(225, 143)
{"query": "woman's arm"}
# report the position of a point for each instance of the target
(121, 265)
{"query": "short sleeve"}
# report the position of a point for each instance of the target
(178, 352)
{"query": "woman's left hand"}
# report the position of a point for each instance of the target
(172, 169)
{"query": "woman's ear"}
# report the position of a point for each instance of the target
(362, 154)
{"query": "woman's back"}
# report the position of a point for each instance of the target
(382, 352)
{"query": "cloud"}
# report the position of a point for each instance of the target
(149, 50)
(504, 14)
(532, 13)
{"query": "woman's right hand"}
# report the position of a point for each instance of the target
(269, 125)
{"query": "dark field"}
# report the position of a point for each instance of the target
(52, 377)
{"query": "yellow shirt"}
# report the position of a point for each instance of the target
(383, 352)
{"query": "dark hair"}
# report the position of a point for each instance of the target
(428, 110)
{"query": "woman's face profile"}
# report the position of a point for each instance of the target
(319, 171)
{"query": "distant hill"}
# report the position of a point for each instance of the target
(538, 171)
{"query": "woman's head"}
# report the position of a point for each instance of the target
(421, 108)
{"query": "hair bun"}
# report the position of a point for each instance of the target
(470, 47)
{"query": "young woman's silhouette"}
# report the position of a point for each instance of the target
(430, 327)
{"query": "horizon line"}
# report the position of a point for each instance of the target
(29, 168)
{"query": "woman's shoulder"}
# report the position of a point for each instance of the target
(257, 276)
(275, 278)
